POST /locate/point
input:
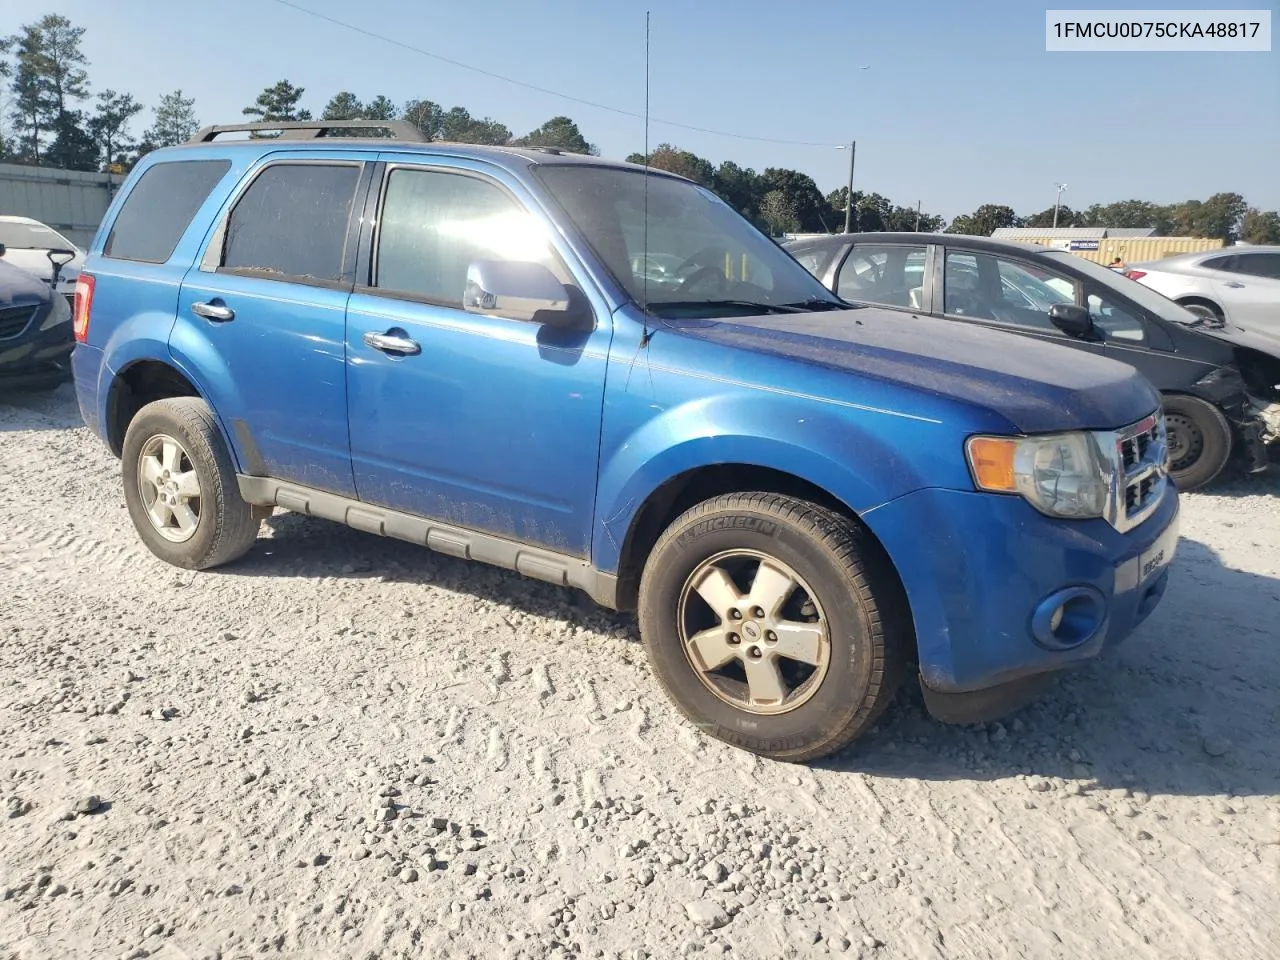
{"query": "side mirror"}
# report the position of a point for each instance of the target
(521, 290)
(1071, 319)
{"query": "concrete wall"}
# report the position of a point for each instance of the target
(70, 201)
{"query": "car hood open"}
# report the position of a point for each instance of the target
(1039, 387)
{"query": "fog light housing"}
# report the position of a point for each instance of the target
(1069, 618)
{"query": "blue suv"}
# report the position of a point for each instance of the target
(603, 377)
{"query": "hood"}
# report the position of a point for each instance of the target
(1239, 336)
(1037, 386)
(19, 286)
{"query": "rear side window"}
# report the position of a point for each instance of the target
(291, 224)
(1257, 265)
(159, 207)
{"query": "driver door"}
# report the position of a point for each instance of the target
(487, 423)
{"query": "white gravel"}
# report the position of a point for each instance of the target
(344, 746)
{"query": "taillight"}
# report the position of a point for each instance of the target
(1135, 274)
(83, 304)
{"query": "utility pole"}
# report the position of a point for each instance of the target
(917, 216)
(1057, 203)
(848, 203)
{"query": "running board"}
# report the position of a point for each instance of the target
(540, 564)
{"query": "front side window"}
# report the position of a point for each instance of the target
(159, 208)
(435, 224)
(1114, 321)
(292, 222)
(888, 274)
(1004, 291)
(676, 247)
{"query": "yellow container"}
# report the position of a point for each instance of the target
(1139, 249)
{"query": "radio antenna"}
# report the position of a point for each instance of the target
(644, 280)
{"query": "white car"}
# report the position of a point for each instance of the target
(27, 244)
(1239, 284)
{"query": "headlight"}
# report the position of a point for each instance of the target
(59, 313)
(1061, 474)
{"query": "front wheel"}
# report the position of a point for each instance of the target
(1199, 440)
(180, 486)
(774, 624)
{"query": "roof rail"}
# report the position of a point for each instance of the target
(313, 129)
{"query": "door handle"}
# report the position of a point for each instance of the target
(214, 310)
(390, 343)
(1234, 283)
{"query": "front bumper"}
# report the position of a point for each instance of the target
(978, 569)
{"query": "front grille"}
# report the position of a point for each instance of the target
(13, 320)
(1140, 469)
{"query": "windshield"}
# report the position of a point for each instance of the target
(32, 236)
(702, 258)
(1143, 295)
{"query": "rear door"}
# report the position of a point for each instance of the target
(1248, 287)
(263, 317)
(485, 422)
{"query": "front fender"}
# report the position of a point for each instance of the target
(862, 459)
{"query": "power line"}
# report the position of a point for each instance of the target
(531, 86)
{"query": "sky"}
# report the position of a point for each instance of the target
(960, 105)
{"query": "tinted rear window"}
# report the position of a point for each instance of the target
(292, 222)
(159, 207)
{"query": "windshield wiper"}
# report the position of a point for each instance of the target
(819, 303)
(717, 304)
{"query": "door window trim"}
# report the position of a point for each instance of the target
(211, 259)
(371, 233)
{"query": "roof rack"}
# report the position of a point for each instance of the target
(313, 129)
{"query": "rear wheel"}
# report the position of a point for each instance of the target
(180, 486)
(1204, 308)
(773, 624)
(1199, 440)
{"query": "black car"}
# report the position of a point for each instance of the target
(35, 331)
(1221, 383)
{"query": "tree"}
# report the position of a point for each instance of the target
(1219, 216)
(680, 162)
(738, 187)
(344, 106)
(427, 116)
(813, 213)
(278, 104)
(985, 220)
(380, 108)
(175, 122)
(779, 211)
(1130, 214)
(34, 109)
(1066, 218)
(1259, 227)
(109, 125)
(73, 148)
(560, 133)
(458, 126)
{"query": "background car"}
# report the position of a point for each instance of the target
(1221, 384)
(27, 244)
(1239, 285)
(35, 332)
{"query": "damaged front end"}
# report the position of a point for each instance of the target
(1227, 388)
(1260, 373)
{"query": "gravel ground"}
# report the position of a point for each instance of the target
(343, 746)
